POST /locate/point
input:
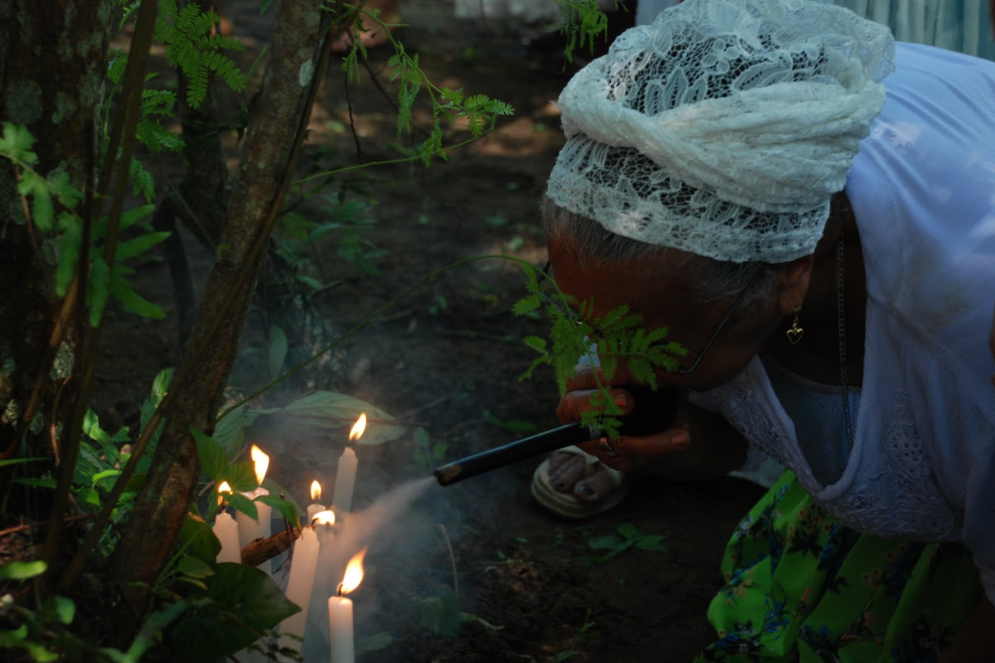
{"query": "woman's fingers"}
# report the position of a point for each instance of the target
(627, 451)
(577, 402)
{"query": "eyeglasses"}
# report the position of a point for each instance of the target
(681, 370)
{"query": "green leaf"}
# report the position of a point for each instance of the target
(43, 482)
(536, 343)
(652, 543)
(22, 570)
(607, 542)
(60, 608)
(212, 457)
(161, 384)
(195, 567)
(286, 509)
(131, 300)
(105, 475)
(240, 502)
(375, 642)
(17, 142)
(331, 411)
(628, 530)
(526, 305)
(99, 290)
(241, 476)
(245, 603)
(199, 540)
(41, 208)
(229, 432)
(138, 245)
(278, 347)
(69, 248)
(18, 461)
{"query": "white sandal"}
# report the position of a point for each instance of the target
(565, 504)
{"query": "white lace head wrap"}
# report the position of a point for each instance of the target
(724, 127)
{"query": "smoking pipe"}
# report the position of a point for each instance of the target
(652, 411)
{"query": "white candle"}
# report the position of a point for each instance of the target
(345, 474)
(302, 568)
(248, 529)
(314, 507)
(226, 529)
(345, 480)
(340, 632)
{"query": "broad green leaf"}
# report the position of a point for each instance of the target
(161, 384)
(628, 530)
(653, 543)
(106, 474)
(286, 509)
(195, 567)
(331, 411)
(198, 539)
(375, 642)
(277, 351)
(60, 608)
(229, 432)
(276, 489)
(212, 457)
(607, 542)
(240, 502)
(239, 594)
(241, 476)
(22, 570)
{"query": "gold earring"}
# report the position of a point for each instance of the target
(795, 333)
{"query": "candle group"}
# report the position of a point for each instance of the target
(316, 533)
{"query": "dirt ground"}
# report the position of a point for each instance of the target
(448, 359)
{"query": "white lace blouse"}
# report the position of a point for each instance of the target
(923, 193)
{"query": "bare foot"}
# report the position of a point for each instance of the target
(566, 473)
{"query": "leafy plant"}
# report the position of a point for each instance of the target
(582, 22)
(477, 111)
(610, 339)
(628, 536)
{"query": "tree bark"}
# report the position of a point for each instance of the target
(278, 116)
(53, 59)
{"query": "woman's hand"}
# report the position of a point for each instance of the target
(699, 445)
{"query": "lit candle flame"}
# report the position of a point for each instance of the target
(262, 462)
(358, 428)
(353, 573)
(325, 517)
(223, 488)
(315, 491)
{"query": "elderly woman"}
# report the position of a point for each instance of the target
(810, 209)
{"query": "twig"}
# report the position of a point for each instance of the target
(437, 401)
(452, 558)
(352, 122)
(256, 552)
(42, 523)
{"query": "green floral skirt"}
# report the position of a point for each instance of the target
(802, 587)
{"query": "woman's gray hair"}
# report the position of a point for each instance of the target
(711, 279)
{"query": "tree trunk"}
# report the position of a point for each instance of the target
(53, 58)
(278, 116)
